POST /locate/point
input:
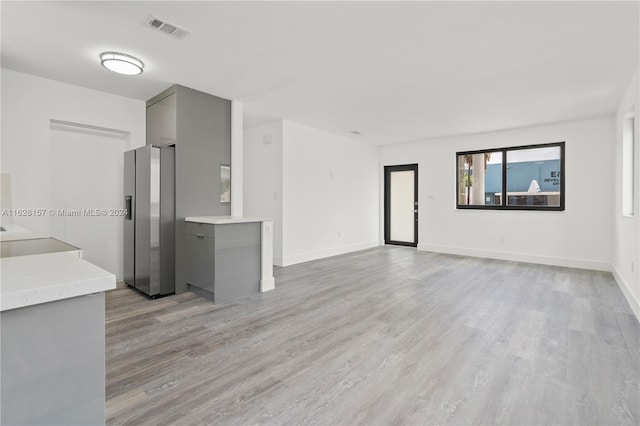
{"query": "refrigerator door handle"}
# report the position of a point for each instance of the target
(127, 206)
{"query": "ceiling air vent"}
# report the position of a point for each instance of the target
(167, 27)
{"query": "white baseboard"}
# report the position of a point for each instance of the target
(320, 254)
(595, 265)
(626, 290)
(267, 284)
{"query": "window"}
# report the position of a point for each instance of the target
(517, 178)
(628, 171)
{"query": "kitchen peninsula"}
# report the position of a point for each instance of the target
(53, 344)
(229, 256)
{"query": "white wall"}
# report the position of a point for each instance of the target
(262, 158)
(29, 103)
(319, 188)
(237, 163)
(93, 182)
(626, 230)
(330, 194)
(580, 236)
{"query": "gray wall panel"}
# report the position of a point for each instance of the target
(167, 220)
(154, 221)
(203, 144)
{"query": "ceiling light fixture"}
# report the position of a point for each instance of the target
(355, 132)
(121, 63)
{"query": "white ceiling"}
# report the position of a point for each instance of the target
(395, 71)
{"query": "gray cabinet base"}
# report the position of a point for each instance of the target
(202, 292)
(53, 363)
(224, 260)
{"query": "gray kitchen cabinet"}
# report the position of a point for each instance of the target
(53, 363)
(161, 120)
(200, 261)
(224, 260)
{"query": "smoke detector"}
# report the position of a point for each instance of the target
(167, 27)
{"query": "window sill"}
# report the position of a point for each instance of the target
(512, 208)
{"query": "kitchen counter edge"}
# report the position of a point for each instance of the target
(223, 220)
(42, 278)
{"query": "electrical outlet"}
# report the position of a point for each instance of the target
(501, 238)
(339, 234)
(632, 266)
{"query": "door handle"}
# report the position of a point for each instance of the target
(198, 236)
(128, 205)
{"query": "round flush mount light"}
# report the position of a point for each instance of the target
(121, 63)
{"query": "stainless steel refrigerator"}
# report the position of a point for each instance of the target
(149, 226)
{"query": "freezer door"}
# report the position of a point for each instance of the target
(129, 222)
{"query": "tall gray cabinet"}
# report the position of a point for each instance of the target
(199, 124)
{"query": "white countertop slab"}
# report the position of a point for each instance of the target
(16, 232)
(41, 278)
(33, 246)
(222, 220)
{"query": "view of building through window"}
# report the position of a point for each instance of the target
(520, 177)
(482, 178)
(533, 177)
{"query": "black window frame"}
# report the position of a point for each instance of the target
(503, 197)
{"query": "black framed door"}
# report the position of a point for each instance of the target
(401, 205)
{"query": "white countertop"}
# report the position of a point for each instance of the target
(41, 278)
(222, 220)
(15, 232)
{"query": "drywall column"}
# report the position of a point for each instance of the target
(236, 158)
(477, 189)
(262, 178)
(267, 282)
(626, 228)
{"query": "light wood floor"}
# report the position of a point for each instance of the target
(382, 336)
